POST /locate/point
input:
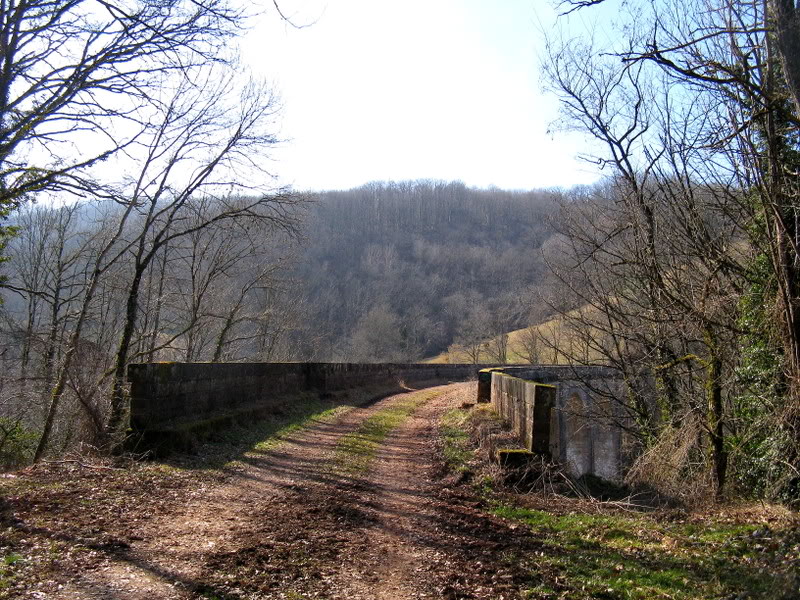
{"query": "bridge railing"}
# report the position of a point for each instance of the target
(170, 401)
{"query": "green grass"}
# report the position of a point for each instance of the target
(314, 413)
(453, 428)
(457, 448)
(233, 443)
(355, 451)
(634, 557)
(7, 574)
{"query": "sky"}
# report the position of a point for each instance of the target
(378, 90)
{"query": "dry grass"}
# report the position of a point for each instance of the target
(557, 343)
(675, 465)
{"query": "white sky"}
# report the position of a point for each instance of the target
(408, 89)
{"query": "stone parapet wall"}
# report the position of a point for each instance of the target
(526, 406)
(166, 395)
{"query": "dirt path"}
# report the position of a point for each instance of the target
(290, 525)
(174, 550)
(398, 549)
(424, 539)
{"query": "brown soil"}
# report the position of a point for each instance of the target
(423, 539)
(287, 524)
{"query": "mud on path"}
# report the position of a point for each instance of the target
(290, 524)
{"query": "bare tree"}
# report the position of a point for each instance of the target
(203, 150)
(48, 273)
(530, 344)
(378, 337)
(657, 250)
(781, 15)
(202, 147)
(474, 332)
(498, 348)
(83, 68)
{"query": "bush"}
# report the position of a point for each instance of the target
(17, 444)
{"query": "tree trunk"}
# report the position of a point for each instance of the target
(786, 17)
(119, 408)
(717, 421)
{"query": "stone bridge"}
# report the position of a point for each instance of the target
(175, 404)
(569, 413)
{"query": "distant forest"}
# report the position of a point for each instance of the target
(401, 271)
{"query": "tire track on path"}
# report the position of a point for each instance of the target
(262, 509)
(425, 539)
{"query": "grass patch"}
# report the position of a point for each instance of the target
(637, 557)
(457, 445)
(284, 428)
(232, 443)
(588, 551)
(355, 451)
(7, 575)
(459, 429)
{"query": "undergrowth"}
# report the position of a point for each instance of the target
(593, 549)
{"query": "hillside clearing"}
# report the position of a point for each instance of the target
(556, 343)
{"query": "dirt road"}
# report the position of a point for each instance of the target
(292, 524)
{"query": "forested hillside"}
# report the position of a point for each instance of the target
(400, 271)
